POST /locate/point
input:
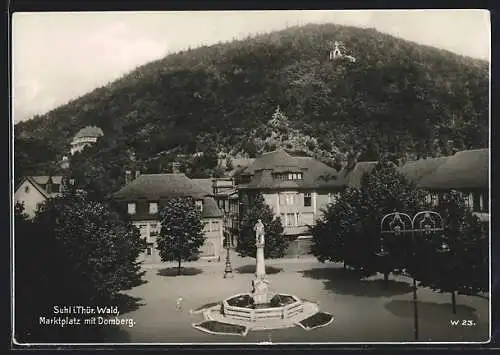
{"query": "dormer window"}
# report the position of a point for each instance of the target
(153, 208)
(289, 176)
(199, 205)
(131, 208)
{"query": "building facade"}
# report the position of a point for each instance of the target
(296, 189)
(33, 191)
(467, 172)
(299, 188)
(147, 194)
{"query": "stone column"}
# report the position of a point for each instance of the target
(259, 285)
(260, 272)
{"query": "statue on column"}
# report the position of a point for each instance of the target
(259, 232)
(260, 284)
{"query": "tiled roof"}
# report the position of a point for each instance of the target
(205, 184)
(278, 159)
(160, 186)
(463, 170)
(315, 173)
(34, 184)
(416, 169)
(210, 208)
(89, 131)
(56, 179)
(352, 177)
(41, 180)
(240, 164)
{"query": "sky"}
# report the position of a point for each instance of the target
(57, 57)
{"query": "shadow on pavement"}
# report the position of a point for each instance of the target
(347, 282)
(127, 303)
(115, 334)
(250, 269)
(174, 271)
(430, 311)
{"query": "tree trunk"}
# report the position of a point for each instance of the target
(179, 267)
(454, 302)
(386, 280)
(345, 266)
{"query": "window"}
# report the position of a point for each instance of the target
(469, 201)
(307, 199)
(154, 230)
(476, 199)
(290, 199)
(215, 226)
(131, 208)
(485, 201)
(26, 189)
(432, 199)
(298, 219)
(153, 208)
(199, 205)
(290, 219)
(289, 176)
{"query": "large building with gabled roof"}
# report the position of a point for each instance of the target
(296, 188)
(144, 197)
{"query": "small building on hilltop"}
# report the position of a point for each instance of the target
(85, 137)
(146, 195)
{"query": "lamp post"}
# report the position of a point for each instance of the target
(425, 222)
(228, 271)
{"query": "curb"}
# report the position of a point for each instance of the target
(318, 326)
(197, 326)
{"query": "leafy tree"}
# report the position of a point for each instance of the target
(90, 255)
(334, 230)
(384, 191)
(182, 234)
(355, 218)
(275, 242)
(464, 268)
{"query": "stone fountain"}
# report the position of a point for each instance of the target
(260, 308)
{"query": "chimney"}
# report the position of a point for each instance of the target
(128, 177)
(176, 168)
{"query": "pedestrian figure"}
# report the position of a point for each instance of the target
(179, 303)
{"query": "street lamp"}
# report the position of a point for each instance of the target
(426, 223)
(228, 271)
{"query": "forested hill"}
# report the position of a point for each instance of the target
(397, 96)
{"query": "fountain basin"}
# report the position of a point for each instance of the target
(281, 306)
